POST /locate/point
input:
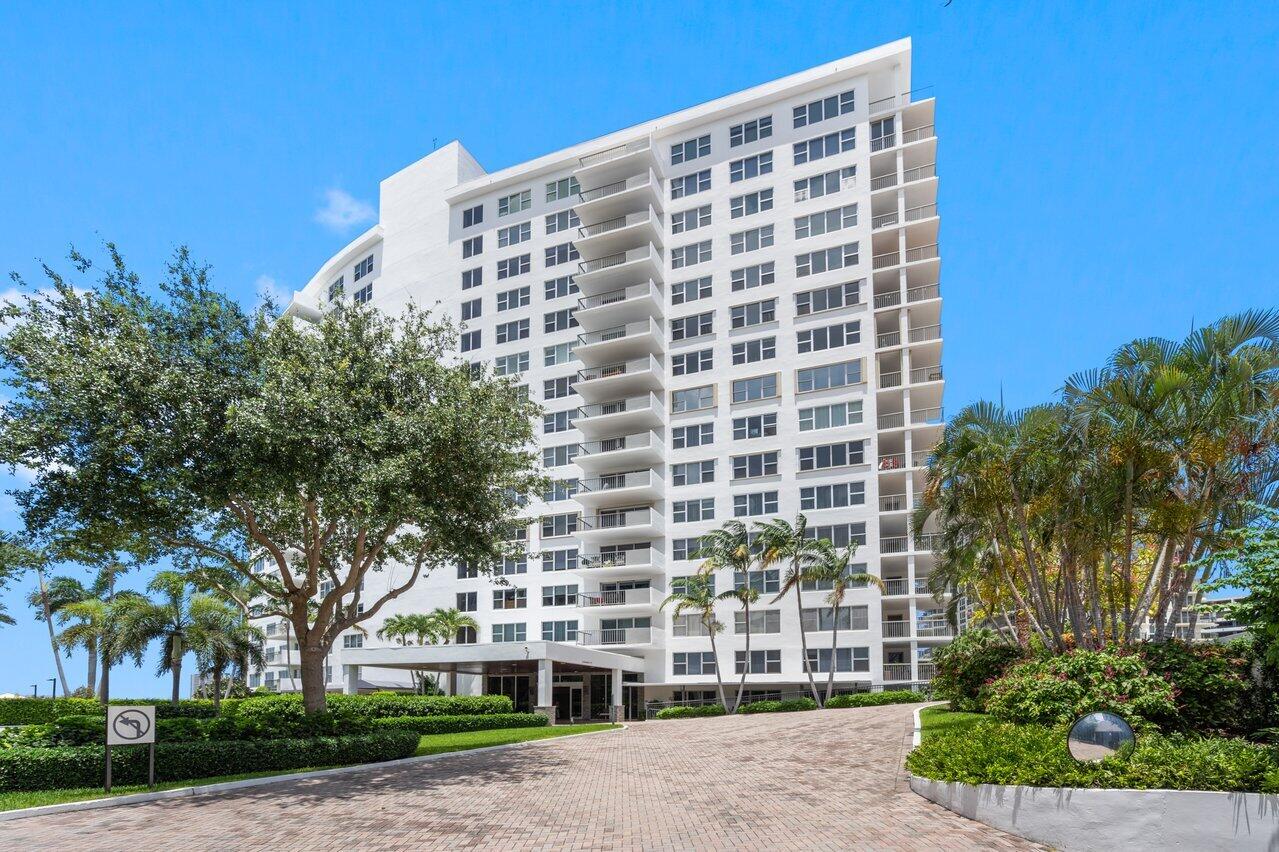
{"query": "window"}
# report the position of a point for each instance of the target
(559, 560)
(696, 435)
(692, 662)
(560, 489)
(560, 421)
(353, 640)
(473, 246)
(761, 621)
(750, 131)
(825, 260)
(693, 473)
(467, 601)
(755, 426)
(825, 184)
(759, 387)
(512, 266)
(514, 235)
(693, 399)
(694, 326)
(514, 330)
(691, 184)
(824, 146)
(753, 276)
(682, 152)
(689, 220)
(837, 496)
(829, 376)
(515, 203)
(562, 253)
(472, 216)
(509, 299)
(750, 204)
(755, 464)
(828, 336)
(827, 585)
(559, 525)
(364, 267)
(559, 595)
(557, 388)
(471, 309)
(560, 320)
(683, 549)
(828, 298)
(337, 288)
(825, 456)
(560, 353)
(846, 659)
(363, 295)
(561, 221)
(750, 351)
(507, 365)
(754, 313)
(754, 505)
(470, 340)
(559, 456)
(511, 565)
(881, 134)
(686, 511)
(510, 598)
(749, 167)
(557, 288)
(845, 618)
(690, 624)
(825, 222)
(472, 277)
(467, 571)
(690, 291)
(751, 240)
(691, 362)
(761, 662)
(510, 633)
(830, 416)
(466, 636)
(691, 254)
(558, 190)
(820, 110)
(559, 631)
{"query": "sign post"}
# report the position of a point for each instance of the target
(131, 726)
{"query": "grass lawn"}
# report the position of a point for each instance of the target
(430, 744)
(937, 719)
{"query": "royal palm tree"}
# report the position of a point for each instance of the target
(783, 543)
(729, 547)
(833, 569)
(167, 619)
(697, 596)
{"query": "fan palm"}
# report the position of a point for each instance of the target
(834, 568)
(790, 544)
(696, 596)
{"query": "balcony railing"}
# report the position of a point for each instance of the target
(923, 211)
(919, 294)
(614, 153)
(921, 253)
(615, 224)
(884, 142)
(915, 134)
(628, 368)
(616, 636)
(883, 220)
(921, 587)
(622, 559)
(919, 375)
(925, 333)
(892, 461)
(927, 415)
(609, 261)
(883, 182)
(889, 299)
(614, 188)
(932, 629)
(621, 597)
(892, 420)
(920, 459)
(897, 671)
(890, 380)
(892, 502)
(617, 332)
(888, 258)
(647, 402)
(613, 297)
(888, 338)
(893, 544)
(891, 102)
(622, 442)
(895, 587)
(927, 541)
(919, 173)
(927, 671)
(620, 519)
(617, 481)
(896, 630)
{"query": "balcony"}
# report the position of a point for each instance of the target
(891, 420)
(883, 143)
(620, 306)
(887, 181)
(612, 381)
(888, 300)
(924, 172)
(927, 542)
(620, 197)
(598, 276)
(920, 294)
(890, 380)
(607, 166)
(612, 489)
(923, 211)
(619, 233)
(933, 629)
(625, 452)
(905, 99)
(928, 252)
(920, 459)
(925, 333)
(624, 563)
(892, 502)
(888, 339)
(927, 416)
(894, 544)
(621, 525)
(923, 375)
(620, 343)
(624, 600)
(896, 630)
(897, 671)
(883, 220)
(632, 414)
(927, 671)
(896, 586)
(884, 260)
(918, 134)
(620, 636)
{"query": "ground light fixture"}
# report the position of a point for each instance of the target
(1097, 736)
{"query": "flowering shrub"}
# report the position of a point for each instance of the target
(1211, 684)
(967, 665)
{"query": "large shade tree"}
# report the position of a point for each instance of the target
(297, 456)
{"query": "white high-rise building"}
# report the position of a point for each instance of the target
(731, 311)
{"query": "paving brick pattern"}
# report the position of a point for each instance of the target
(819, 780)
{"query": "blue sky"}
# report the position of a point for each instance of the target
(1107, 169)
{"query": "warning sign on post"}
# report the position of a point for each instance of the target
(130, 725)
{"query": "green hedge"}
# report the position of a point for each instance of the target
(790, 705)
(89, 730)
(83, 766)
(875, 699)
(40, 711)
(457, 724)
(1036, 755)
(689, 712)
(378, 705)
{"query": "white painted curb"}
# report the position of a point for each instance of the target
(918, 737)
(228, 786)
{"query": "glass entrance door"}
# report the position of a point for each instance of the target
(568, 702)
(518, 688)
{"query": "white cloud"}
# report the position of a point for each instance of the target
(267, 287)
(343, 211)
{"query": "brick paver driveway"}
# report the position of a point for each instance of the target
(819, 780)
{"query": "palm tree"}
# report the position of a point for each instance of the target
(445, 625)
(745, 596)
(48, 598)
(729, 547)
(696, 596)
(397, 628)
(783, 542)
(833, 568)
(168, 619)
(220, 638)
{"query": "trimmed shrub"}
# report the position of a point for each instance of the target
(458, 724)
(965, 667)
(1210, 685)
(691, 712)
(82, 766)
(378, 705)
(40, 711)
(1064, 687)
(790, 705)
(1036, 755)
(874, 699)
(187, 708)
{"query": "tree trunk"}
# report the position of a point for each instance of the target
(91, 647)
(177, 670)
(217, 690)
(48, 622)
(314, 697)
(803, 644)
(741, 684)
(719, 676)
(834, 644)
(104, 687)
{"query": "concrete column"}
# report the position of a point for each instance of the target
(351, 680)
(619, 711)
(545, 678)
